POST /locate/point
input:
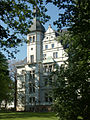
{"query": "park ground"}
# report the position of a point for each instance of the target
(27, 116)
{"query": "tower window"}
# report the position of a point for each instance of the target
(30, 39)
(31, 48)
(33, 38)
(46, 47)
(52, 45)
(32, 58)
(55, 55)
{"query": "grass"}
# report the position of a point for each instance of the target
(26, 116)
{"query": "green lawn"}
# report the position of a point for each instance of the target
(27, 116)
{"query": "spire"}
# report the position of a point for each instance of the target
(36, 13)
(37, 26)
(49, 26)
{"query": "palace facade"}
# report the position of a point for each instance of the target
(33, 77)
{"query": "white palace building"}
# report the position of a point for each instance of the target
(33, 77)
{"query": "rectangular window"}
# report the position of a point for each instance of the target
(55, 55)
(45, 69)
(33, 38)
(30, 89)
(30, 39)
(30, 100)
(32, 58)
(50, 68)
(52, 45)
(33, 89)
(46, 47)
(33, 99)
(33, 74)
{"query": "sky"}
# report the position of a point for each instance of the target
(53, 13)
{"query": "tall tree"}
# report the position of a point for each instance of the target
(72, 93)
(5, 81)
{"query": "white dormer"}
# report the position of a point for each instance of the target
(49, 34)
(50, 30)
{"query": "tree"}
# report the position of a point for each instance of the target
(5, 81)
(72, 92)
(16, 18)
(73, 83)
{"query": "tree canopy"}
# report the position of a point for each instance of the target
(16, 18)
(73, 83)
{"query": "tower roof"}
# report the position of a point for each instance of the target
(37, 26)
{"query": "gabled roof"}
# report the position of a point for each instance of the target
(50, 30)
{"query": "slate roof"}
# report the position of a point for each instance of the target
(22, 62)
(37, 26)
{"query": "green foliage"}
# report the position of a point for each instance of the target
(73, 83)
(5, 82)
(72, 93)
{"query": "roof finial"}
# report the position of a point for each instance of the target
(49, 26)
(36, 13)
